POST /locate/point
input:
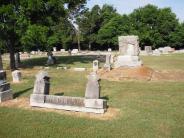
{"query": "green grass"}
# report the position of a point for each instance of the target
(147, 109)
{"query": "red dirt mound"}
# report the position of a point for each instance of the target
(138, 73)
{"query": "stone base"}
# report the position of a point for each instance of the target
(69, 103)
(6, 95)
(127, 61)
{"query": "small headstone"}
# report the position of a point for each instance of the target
(16, 75)
(95, 65)
(51, 59)
(54, 49)
(156, 52)
(92, 88)
(107, 65)
(62, 50)
(109, 49)
(148, 49)
(42, 84)
(69, 52)
(75, 51)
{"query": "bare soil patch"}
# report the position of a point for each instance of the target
(23, 103)
(141, 73)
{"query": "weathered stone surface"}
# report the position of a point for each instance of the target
(42, 84)
(92, 88)
(1, 62)
(51, 59)
(6, 95)
(65, 100)
(95, 103)
(107, 65)
(69, 103)
(129, 52)
(16, 75)
(129, 45)
(54, 49)
(95, 65)
(148, 49)
(128, 61)
(37, 98)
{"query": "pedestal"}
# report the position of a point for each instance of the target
(127, 61)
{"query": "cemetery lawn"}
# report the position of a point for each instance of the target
(145, 109)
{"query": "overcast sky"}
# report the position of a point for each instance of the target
(127, 6)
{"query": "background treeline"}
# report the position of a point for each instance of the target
(27, 25)
(100, 27)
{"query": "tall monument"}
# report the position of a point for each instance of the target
(129, 52)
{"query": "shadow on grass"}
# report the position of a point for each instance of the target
(59, 94)
(17, 94)
(105, 98)
(30, 63)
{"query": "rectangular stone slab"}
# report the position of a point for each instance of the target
(69, 103)
(6, 95)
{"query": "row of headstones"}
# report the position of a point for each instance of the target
(162, 50)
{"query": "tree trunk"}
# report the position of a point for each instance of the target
(12, 56)
(78, 41)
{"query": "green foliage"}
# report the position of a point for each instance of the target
(35, 37)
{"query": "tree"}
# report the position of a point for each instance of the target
(153, 25)
(20, 20)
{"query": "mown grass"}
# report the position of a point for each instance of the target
(147, 109)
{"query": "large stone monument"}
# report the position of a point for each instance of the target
(92, 103)
(129, 52)
(5, 91)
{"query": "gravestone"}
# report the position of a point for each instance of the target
(92, 103)
(74, 51)
(42, 84)
(109, 50)
(95, 65)
(16, 75)
(107, 65)
(92, 88)
(5, 91)
(51, 59)
(54, 49)
(156, 52)
(129, 52)
(148, 49)
(17, 60)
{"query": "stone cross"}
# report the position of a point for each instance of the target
(92, 88)
(95, 65)
(1, 62)
(42, 84)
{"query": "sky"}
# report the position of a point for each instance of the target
(127, 6)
